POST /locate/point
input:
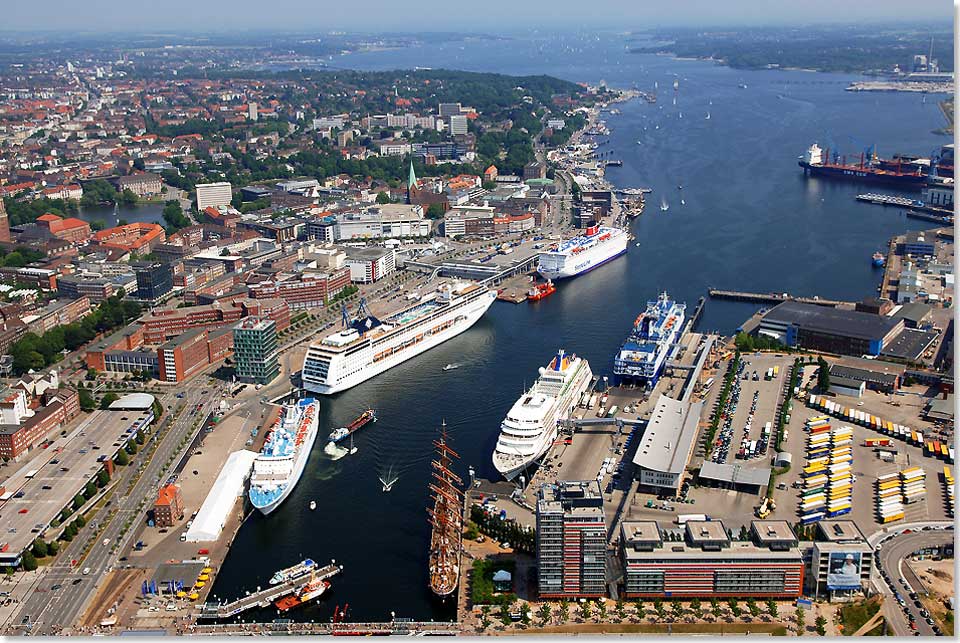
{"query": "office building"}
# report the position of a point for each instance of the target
(458, 124)
(303, 290)
(255, 350)
(191, 352)
(841, 560)
(252, 112)
(708, 564)
(154, 280)
(370, 264)
(571, 540)
(143, 184)
(213, 195)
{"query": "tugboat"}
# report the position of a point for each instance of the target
(878, 259)
(539, 291)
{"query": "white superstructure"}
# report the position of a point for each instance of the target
(580, 254)
(286, 449)
(530, 426)
(371, 346)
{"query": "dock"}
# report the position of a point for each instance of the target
(915, 209)
(888, 199)
(263, 598)
(772, 298)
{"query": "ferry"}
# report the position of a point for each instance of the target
(584, 253)
(539, 291)
(278, 467)
(530, 426)
(654, 333)
(305, 594)
(370, 346)
(296, 571)
(365, 418)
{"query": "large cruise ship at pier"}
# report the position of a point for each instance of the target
(370, 346)
(655, 331)
(530, 426)
(284, 455)
(580, 254)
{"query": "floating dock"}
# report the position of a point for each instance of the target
(265, 597)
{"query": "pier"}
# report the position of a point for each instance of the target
(265, 597)
(889, 199)
(394, 628)
(772, 298)
(915, 209)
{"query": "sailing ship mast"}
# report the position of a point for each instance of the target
(446, 519)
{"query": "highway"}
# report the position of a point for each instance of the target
(50, 610)
(891, 556)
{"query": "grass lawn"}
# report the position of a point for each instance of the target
(854, 615)
(774, 629)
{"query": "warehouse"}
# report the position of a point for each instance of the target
(666, 445)
(876, 375)
(831, 330)
(734, 476)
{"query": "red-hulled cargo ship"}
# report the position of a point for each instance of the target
(898, 172)
(539, 291)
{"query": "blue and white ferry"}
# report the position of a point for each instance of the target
(284, 455)
(655, 332)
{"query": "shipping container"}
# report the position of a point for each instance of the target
(889, 519)
(838, 512)
(813, 517)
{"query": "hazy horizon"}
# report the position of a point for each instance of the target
(373, 16)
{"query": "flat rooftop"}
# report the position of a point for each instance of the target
(909, 344)
(735, 474)
(834, 321)
(768, 532)
(101, 434)
(706, 531)
(840, 531)
(571, 496)
(640, 531)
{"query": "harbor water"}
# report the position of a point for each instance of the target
(751, 221)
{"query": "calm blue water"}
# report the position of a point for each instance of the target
(146, 213)
(751, 221)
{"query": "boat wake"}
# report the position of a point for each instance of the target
(334, 452)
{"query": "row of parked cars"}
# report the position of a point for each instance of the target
(721, 447)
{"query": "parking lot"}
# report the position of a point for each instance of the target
(59, 472)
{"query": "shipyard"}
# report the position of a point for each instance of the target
(516, 348)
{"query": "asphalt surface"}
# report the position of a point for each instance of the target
(52, 611)
(891, 557)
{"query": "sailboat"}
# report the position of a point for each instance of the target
(664, 206)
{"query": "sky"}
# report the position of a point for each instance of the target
(450, 15)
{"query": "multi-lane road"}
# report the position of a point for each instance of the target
(51, 611)
(891, 557)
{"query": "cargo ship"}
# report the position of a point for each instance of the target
(906, 176)
(369, 346)
(655, 331)
(539, 291)
(295, 571)
(286, 449)
(313, 589)
(446, 520)
(530, 426)
(344, 432)
(581, 254)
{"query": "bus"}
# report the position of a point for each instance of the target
(31, 474)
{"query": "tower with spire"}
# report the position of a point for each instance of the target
(411, 182)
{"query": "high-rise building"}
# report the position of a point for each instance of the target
(213, 195)
(571, 540)
(154, 280)
(458, 124)
(255, 350)
(252, 113)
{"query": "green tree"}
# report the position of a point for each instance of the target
(78, 501)
(660, 609)
(620, 609)
(53, 548)
(564, 610)
(801, 621)
(122, 458)
(602, 609)
(821, 624)
(39, 548)
(9, 571)
(753, 607)
(90, 490)
(734, 606)
(127, 197)
(697, 608)
(585, 610)
(108, 399)
(28, 562)
(544, 613)
(87, 403)
(98, 192)
(383, 197)
(638, 606)
(80, 522)
(103, 477)
(435, 211)
(677, 608)
(823, 374)
(772, 608)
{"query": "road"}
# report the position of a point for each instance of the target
(891, 557)
(52, 611)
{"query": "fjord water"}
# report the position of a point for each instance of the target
(751, 222)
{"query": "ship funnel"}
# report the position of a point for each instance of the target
(559, 360)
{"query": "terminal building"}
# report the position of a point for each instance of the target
(571, 540)
(831, 330)
(666, 445)
(708, 564)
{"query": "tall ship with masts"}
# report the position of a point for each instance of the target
(446, 520)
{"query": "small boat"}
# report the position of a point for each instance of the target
(361, 421)
(878, 259)
(450, 367)
(679, 186)
(308, 592)
(664, 206)
(313, 505)
(742, 86)
(708, 116)
(296, 571)
(681, 115)
(683, 202)
(637, 244)
(539, 291)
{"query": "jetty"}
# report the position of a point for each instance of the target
(772, 298)
(889, 199)
(263, 598)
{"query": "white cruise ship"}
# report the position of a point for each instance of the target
(285, 451)
(531, 424)
(370, 346)
(580, 254)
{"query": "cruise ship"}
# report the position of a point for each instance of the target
(654, 333)
(581, 254)
(530, 426)
(370, 346)
(284, 455)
